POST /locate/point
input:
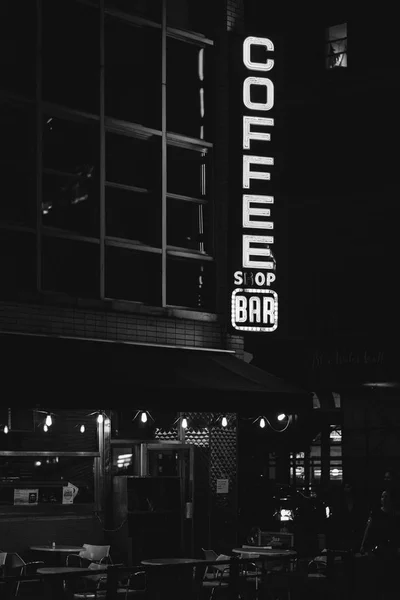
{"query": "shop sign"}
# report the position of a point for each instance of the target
(222, 486)
(254, 305)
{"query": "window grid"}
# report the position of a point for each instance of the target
(110, 124)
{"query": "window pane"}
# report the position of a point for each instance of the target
(133, 275)
(190, 283)
(17, 262)
(71, 203)
(188, 225)
(133, 161)
(18, 46)
(193, 16)
(133, 216)
(147, 9)
(49, 474)
(71, 60)
(70, 267)
(17, 163)
(69, 147)
(188, 172)
(133, 73)
(188, 93)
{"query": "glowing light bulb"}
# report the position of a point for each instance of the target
(224, 422)
(45, 428)
(49, 421)
(82, 429)
(262, 422)
(5, 429)
(184, 423)
(281, 417)
(143, 417)
(100, 418)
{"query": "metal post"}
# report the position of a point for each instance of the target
(164, 154)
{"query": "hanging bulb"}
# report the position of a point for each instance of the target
(262, 422)
(281, 417)
(143, 417)
(45, 428)
(224, 422)
(100, 418)
(49, 420)
(5, 429)
(82, 429)
(184, 423)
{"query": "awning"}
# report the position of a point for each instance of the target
(144, 375)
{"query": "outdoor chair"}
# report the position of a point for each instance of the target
(132, 586)
(89, 554)
(15, 565)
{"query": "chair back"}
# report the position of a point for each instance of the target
(95, 553)
(3, 556)
(210, 554)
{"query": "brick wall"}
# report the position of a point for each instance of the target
(123, 327)
(235, 15)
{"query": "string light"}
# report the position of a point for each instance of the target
(143, 417)
(100, 418)
(224, 422)
(281, 417)
(82, 429)
(49, 420)
(5, 430)
(184, 423)
(45, 428)
(262, 422)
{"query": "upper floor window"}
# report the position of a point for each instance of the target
(336, 46)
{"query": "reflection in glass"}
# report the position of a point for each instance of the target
(71, 54)
(133, 73)
(17, 46)
(133, 161)
(132, 275)
(133, 216)
(70, 267)
(187, 172)
(71, 203)
(190, 283)
(188, 94)
(17, 163)
(17, 262)
(188, 225)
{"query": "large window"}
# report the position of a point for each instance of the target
(336, 46)
(106, 151)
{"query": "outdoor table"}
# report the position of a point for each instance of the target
(56, 584)
(172, 583)
(58, 553)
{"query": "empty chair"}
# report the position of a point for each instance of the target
(89, 554)
(15, 565)
(133, 586)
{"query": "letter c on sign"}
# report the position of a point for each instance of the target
(257, 41)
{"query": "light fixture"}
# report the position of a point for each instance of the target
(37, 463)
(82, 429)
(45, 428)
(100, 418)
(262, 422)
(143, 417)
(224, 422)
(5, 430)
(184, 423)
(49, 420)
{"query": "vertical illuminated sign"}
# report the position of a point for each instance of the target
(254, 304)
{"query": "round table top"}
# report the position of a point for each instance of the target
(57, 548)
(263, 551)
(171, 561)
(59, 570)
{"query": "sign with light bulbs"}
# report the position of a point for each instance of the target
(254, 304)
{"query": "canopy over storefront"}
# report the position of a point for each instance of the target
(143, 375)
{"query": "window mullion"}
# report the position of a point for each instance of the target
(39, 145)
(102, 157)
(164, 154)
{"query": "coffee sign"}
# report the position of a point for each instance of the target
(254, 304)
